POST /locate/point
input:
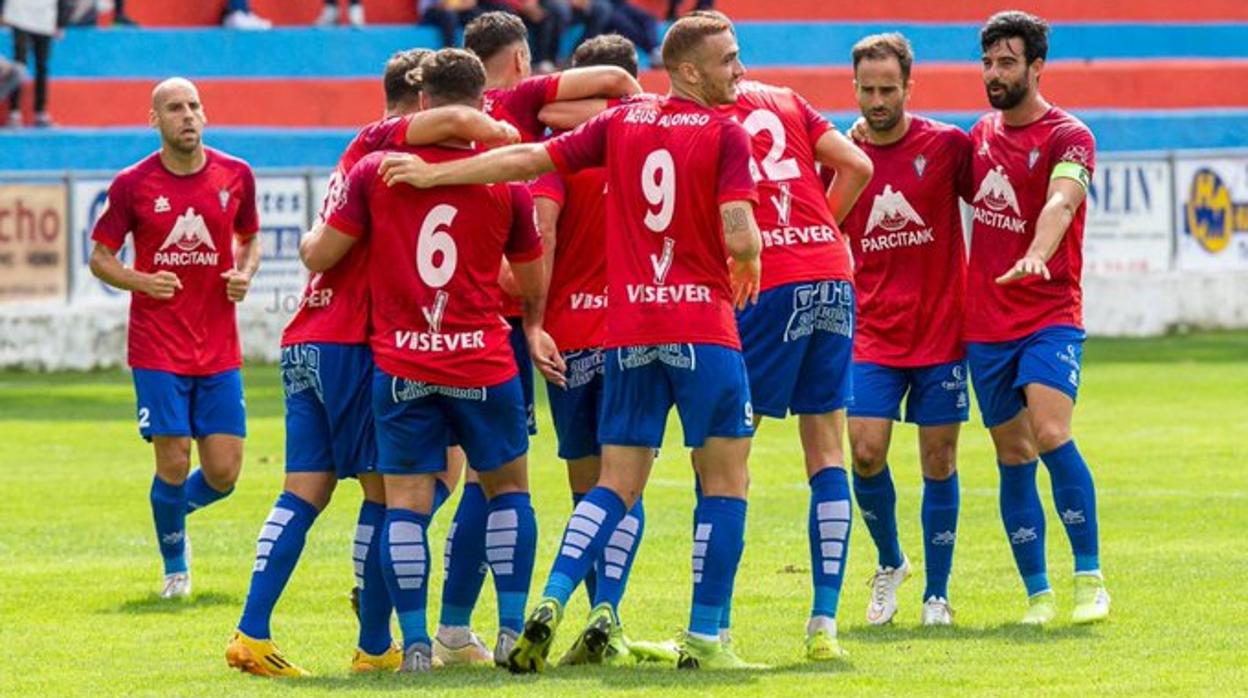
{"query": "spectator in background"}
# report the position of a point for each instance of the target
(238, 15)
(120, 18)
(329, 14)
(638, 26)
(12, 75)
(450, 15)
(35, 23)
(544, 20)
(673, 7)
(594, 15)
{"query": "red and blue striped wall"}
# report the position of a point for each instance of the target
(1145, 75)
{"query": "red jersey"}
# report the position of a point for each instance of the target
(185, 224)
(520, 104)
(576, 303)
(909, 254)
(673, 162)
(801, 241)
(1011, 167)
(334, 305)
(433, 267)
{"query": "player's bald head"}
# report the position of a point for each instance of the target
(170, 87)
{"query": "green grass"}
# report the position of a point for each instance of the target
(1163, 422)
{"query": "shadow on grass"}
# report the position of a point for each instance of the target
(153, 604)
(1011, 632)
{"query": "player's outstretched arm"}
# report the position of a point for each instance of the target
(567, 115)
(1064, 199)
(744, 242)
(596, 81)
(246, 264)
(853, 171)
(107, 268)
(457, 121)
(322, 247)
(514, 163)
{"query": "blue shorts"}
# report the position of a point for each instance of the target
(1052, 356)
(524, 365)
(706, 382)
(576, 409)
(798, 345)
(934, 394)
(417, 421)
(175, 405)
(329, 409)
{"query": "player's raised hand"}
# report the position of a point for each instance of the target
(1029, 265)
(745, 279)
(547, 358)
(236, 284)
(857, 131)
(162, 285)
(406, 169)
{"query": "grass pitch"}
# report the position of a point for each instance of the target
(1164, 424)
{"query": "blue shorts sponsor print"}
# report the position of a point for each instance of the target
(1052, 356)
(329, 408)
(575, 410)
(170, 404)
(706, 383)
(934, 394)
(798, 345)
(524, 366)
(417, 421)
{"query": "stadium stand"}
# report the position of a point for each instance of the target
(1115, 64)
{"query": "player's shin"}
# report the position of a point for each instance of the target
(718, 541)
(587, 532)
(510, 547)
(278, 548)
(1075, 498)
(829, 522)
(464, 559)
(1023, 517)
(940, 529)
(616, 562)
(405, 566)
(877, 500)
(375, 604)
(169, 513)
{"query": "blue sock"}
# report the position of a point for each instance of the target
(940, 530)
(464, 558)
(877, 500)
(375, 605)
(441, 493)
(169, 513)
(200, 494)
(725, 614)
(1075, 497)
(718, 541)
(590, 526)
(277, 552)
(617, 558)
(591, 577)
(829, 522)
(1024, 524)
(510, 547)
(405, 566)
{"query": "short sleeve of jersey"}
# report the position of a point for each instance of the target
(1073, 143)
(735, 181)
(536, 92)
(351, 214)
(118, 216)
(524, 243)
(586, 146)
(816, 125)
(960, 150)
(247, 222)
(548, 186)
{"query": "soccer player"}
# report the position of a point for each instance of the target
(910, 279)
(192, 213)
(681, 202)
(1031, 164)
(500, 40)
(327, 373)
(445, 370)
(571, 215)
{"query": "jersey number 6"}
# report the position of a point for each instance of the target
(434, 238)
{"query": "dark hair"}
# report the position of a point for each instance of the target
(687, 34)
(492, 32)
(878, 47)
(452, 75)
(607, 49)
(1010, 24)
(402, 77)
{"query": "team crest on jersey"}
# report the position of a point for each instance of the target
(188, 235)
(996, 191)
(1032, 157)
(224, 197)
(162, 204)
(891, 211)
(920, 164)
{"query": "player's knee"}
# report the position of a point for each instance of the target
(938, 460)
(1016, 452)
(869, 457)
(1050, 435)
